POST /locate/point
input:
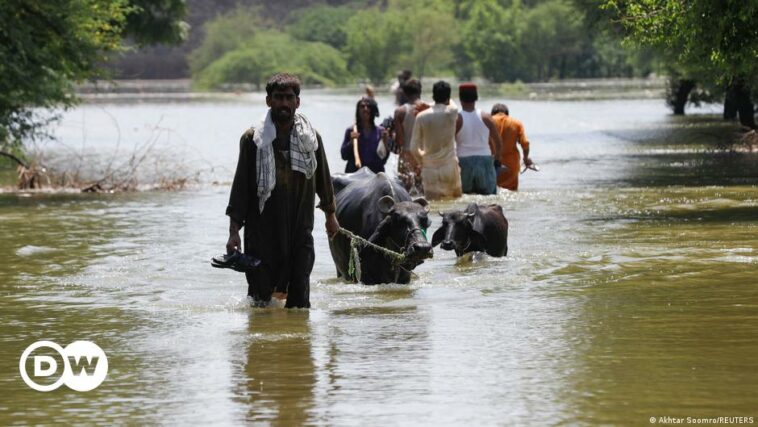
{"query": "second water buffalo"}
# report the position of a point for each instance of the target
(379, 209)
(477, 228)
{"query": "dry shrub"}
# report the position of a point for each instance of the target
(147, 166)
(749, 140)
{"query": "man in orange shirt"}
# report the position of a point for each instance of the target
(511, 132)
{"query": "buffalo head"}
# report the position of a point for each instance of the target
(457, 233)
(403, 229)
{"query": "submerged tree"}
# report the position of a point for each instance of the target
(715, 42)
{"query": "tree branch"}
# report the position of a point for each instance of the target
(14, 158)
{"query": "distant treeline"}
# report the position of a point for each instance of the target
(338, 42)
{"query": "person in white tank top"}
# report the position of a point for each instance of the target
(474, 136)
(477, 140)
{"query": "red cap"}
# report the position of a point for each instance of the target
(467, 92)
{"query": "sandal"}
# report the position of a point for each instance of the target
(237, 261)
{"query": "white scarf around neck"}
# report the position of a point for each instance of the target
(303, 146)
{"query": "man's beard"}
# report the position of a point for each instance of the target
(282, 115)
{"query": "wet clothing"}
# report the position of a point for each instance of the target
(478, 175)
(406, 164)
(282, 234)
(408, 121)
(367, 144)
(511, 132)
(474, 136)
(302, 151)
(433, 146)
(474, 155)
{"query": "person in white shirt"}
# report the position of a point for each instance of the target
(433, 145)
(476, 140)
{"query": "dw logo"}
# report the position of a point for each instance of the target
(84, 365)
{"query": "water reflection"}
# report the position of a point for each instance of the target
(375, 359)
(277, 380)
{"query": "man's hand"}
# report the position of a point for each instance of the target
(332, 226)
(528, 162)
(234, 241)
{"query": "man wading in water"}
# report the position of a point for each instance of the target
(408, 169)
(281, 167)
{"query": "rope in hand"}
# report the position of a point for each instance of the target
(357, 242)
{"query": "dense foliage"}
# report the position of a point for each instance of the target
(48, 46)
(499, 40)
(713, 43)
(44, 48)
(321, 24)
(255, 59)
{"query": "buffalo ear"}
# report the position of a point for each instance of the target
(385, 204)
(422, 201)
(438, 236)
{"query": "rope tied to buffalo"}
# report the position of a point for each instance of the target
(356, 243)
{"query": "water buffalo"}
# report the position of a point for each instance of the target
(478, 228)
(342, 180)
(380, 210)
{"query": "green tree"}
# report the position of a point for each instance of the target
(225, 34)
(491, 35)
(321, 64)
(553, 36)
(716, 42)
(375, 42)
(268, 52)
(431, 44)
(614, 60)
(323, 24)
(46, 47)
(156, 21)
(603, 53)
(246, 65)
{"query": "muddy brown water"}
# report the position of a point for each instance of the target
(630, 289)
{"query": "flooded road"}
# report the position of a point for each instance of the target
(629, 290)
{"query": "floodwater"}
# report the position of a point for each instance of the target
(630, 288)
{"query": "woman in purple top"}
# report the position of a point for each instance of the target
(369, 137)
